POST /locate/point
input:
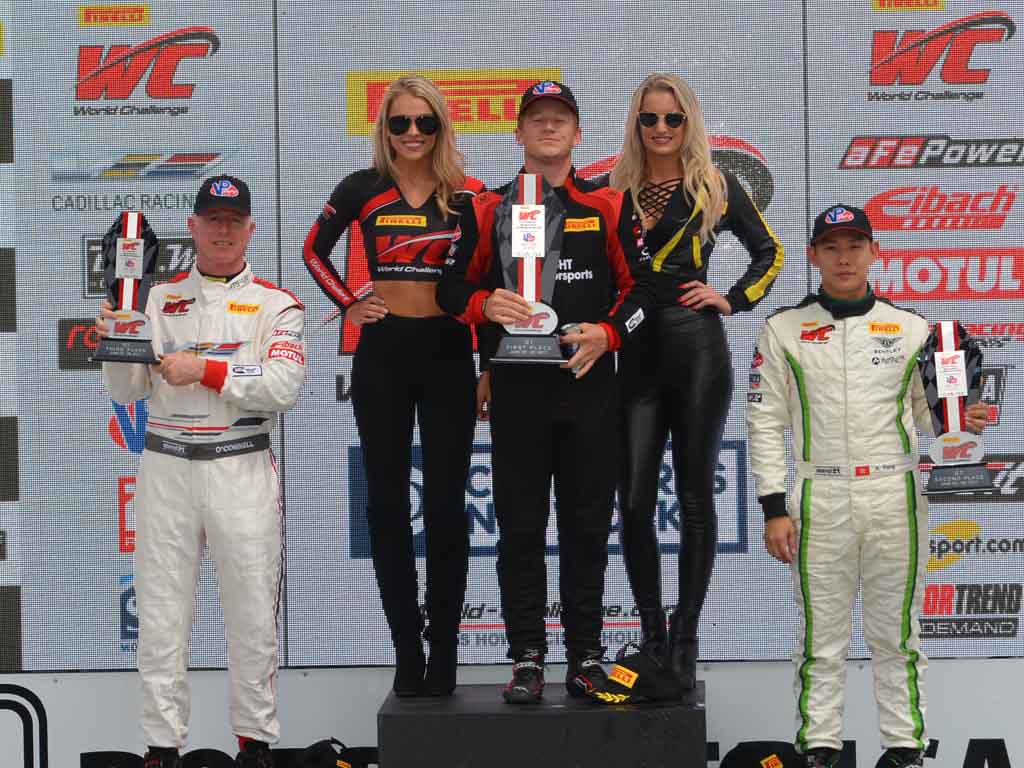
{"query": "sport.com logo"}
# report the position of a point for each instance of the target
(954, 542)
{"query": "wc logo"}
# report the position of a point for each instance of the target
(29, 709)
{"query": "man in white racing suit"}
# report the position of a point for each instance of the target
(231, 358)
(840, 370)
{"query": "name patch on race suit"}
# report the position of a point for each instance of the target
(246, 370)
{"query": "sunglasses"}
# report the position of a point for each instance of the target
(672, 119)
(425, 124)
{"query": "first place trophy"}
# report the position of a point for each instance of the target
(529, 222)
(129, 257)
(950, 364)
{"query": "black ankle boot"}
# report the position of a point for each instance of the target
(409, 666)
(441, 667)
(682, 654)
(653, 636)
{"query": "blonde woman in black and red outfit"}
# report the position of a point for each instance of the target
(413, 361)
(677, 378)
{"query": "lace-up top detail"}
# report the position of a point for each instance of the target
(654, 199)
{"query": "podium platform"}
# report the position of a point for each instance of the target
(475, 727)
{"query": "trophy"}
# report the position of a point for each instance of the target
(950, 364)
(129, 257)
(529, 222)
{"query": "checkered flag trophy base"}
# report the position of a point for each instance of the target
(129, 257)
(950, 365)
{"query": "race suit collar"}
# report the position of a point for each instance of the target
(840, 309)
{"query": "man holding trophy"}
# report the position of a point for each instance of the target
(231, 358)
(546, 252)
(844, 371)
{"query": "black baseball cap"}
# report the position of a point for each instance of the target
(223, 192)
(548, 89)
(841, 217)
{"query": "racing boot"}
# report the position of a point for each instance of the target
(900, 757)
(682, 653)
(254, 754)
(527, 683)
(585, 675)
(410, 663)
(820, 757)
(161, 757)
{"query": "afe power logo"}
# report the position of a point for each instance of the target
(912, 57)
(118, 15)
(970, 610)
(117, 72)
(175, 255)
(931, 150)
(479, 100)
(930, 208)
(977, 274)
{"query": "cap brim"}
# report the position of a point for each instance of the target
(843, 227)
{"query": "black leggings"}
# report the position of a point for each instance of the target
(676, 378)
(423, 367)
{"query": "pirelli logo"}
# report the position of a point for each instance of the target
(772, 761)
(242, 309)
(401, 221)
(626, 677)
(113, 15)
(479, 100)
(908, 5)
(589, 224)
(886, 329)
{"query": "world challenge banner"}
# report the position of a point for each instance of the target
(908, 113)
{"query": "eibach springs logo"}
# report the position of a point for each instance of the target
(915, 57)
(931, 208)
(479, 100)
(931, 150)
(976, 274)
(117, 72)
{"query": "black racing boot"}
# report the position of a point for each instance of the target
(900, 757)
(161, 757)
(820, 757)
(255, 754)
(527, 683)
(585, 675)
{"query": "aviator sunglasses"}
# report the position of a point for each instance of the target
(650, 119)
(425, 124)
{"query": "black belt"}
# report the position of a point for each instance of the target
(207, 451)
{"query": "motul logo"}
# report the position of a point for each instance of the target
(130, 328)
(949, 273)
(817, 335)
(534, 322)
(960, 452)
(910, 57)
(929, 208)
(118, 71)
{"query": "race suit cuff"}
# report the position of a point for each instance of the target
(474, 313)
(774, 505)
(215, 374)
(614, 340)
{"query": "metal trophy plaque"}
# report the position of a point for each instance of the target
(529, 222)
(129, 257)
(950, 364)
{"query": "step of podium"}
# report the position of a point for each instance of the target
(475, 728)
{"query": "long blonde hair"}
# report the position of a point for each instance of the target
(447, 161)
(702, 181)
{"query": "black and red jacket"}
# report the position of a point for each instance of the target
(401, 242)
(594, 283)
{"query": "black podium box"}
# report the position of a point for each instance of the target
(475, 728)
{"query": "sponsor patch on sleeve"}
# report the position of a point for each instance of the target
(753, 397)
(635, 320)
(288, 354)
(246, 370)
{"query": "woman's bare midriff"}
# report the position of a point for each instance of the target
(408, 298)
